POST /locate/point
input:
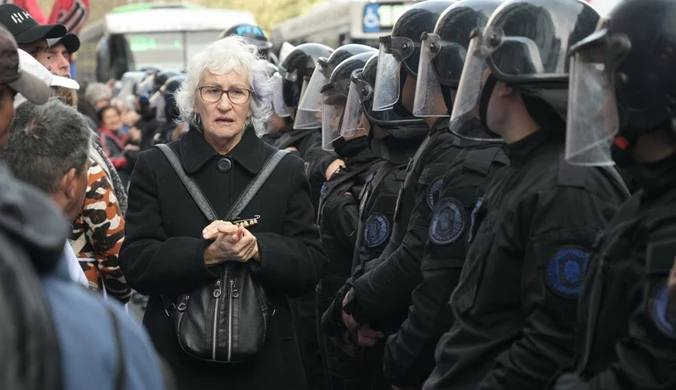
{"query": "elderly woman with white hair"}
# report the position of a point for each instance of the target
(178, 256)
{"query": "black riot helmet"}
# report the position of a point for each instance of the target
(335, 97)
(398, 124)
(622, 83)
(162, 77)
(311, 102)
(400, 52)
(298, 67)
(525, 45)
(442, 55)
(251, 33)
(150, 70)
(168, 92)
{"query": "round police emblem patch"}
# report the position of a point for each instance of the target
(566, 271)
(448, 221)
(376, 230)
(659, 313)
(433, 192)
(324, 188)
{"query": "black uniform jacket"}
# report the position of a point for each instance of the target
(515, 305)
(163, 251)
(386, 289)
(626, 339)
(409, 357)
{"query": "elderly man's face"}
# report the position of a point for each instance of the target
(59, 58)
(6, 112)
(38, 50)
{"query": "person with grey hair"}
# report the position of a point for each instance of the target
(173, 250)
(98, 95)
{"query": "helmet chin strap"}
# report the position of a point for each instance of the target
(485, 98)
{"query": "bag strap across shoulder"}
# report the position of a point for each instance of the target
(245, 197)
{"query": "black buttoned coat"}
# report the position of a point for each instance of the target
(163, 251)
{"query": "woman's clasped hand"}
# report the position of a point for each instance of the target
(230, 243)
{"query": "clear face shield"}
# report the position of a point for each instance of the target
(510, 56)
(333, 108)
(145, 87)
(593, 120)
(440, 61)
(310, 105)
(307, 119)
(157, 101)
(278, 97)
(393, 51)
(353, 118)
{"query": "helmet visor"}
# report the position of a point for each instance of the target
(429, 101)
(278, 96)
(332, 115)
(593, 120)
(352, 118)
(307, 119)
(311, 98)
(393, 51)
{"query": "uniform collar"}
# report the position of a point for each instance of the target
(521, 151)
(196, 151)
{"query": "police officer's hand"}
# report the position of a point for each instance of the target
(291, 149)
(672, 291)
(349, 321)
(346, 343)
(333, 168)
(231, 243)
(404, 388)
(367, 337)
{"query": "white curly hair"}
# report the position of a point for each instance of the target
(221, 57)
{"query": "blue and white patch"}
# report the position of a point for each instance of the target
(433, 192)
(660, 315)
(324, 188)
(566, 271)
(448, 222)
(376, 230)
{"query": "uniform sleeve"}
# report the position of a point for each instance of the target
(559, 232)
(386, 289)
(293, 261)
(409, 355)
(342, 214)
(104, 224)
(645, 358)
(154, 263)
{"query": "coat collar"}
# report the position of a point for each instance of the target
(196, 152)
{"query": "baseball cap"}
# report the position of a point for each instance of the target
(16, 76)
(70, 41)
(24, 28)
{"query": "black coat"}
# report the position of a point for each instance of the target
(163, 251)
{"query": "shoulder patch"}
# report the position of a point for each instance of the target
(324, 188)
(376, 230)
(433, 191)
(566, 271)
(448, 221)
(660, 315)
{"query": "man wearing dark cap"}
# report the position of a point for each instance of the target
(29, 34)
(60, 52)
(13, 80)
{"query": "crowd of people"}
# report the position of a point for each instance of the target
(485, 201)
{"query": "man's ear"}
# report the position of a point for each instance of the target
(68, 184)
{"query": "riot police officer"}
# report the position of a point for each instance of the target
(339, 211)
(409, 356)
(382, 295)
(531, 234)
(626, 339)
(394, 137)
(167, 111)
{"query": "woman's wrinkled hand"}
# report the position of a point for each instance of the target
(231, 243)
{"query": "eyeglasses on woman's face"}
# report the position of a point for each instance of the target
(211, 94)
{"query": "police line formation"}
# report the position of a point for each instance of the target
(494, 189)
